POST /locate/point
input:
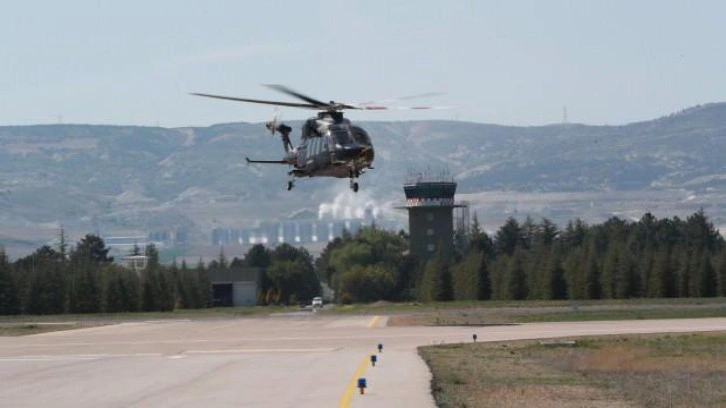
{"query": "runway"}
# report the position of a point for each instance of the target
(285, 361)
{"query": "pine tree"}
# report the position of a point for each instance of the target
(484, 289)
(479, 240)
(681, 259)
(707, 276)
(557, 284)
(662, 278)
(167, 294)
(48, 286)
(465, 276)
(151, 291)
(436, 283)
(627, 283)
(85, 296)
(610, 272)
(509, 237)
(722, 274)
(593, 289)
(204, 286)
(574, 278)
(516, 278)
(9, 295)
(115, 301)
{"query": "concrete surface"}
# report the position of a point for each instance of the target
(285, 361)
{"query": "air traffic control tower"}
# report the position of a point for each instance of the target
(430, 204)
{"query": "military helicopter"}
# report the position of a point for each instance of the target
(330, 145)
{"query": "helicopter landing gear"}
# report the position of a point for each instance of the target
(354, 181)
(290, 185)
(353, 174)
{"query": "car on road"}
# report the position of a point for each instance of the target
(317, 302)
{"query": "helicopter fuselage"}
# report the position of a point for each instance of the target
(332, 149)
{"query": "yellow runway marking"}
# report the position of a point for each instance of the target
(352, 385)
(373, 322)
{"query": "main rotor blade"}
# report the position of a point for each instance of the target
(401, 98)
(288, 91)
(278, 103)
(379, 107)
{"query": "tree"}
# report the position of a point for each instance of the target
(91, 249)
(662, 277)
(517, 277)
(701, 235)
(294, 278)
(722, 275)
(465, 276)
(610, 271)
(115, 299)
(203, 287)
(557, 285)
(258, 256)
(151, 291)
(436, 282)
(628, 282)
(367, 283)
(48, 283)
(708, 284)
(479, 240)
(85, 294)
(593, 290)
(9, 296)
(546, 233)
(509, 237)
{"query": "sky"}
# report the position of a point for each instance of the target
(510, 62)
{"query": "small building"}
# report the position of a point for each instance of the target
(234, 286)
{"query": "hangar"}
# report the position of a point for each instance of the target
(234, 286)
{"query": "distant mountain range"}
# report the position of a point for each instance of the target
(134, 180)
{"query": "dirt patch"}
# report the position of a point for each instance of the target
(686, 370)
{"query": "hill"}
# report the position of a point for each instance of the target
(133, 180)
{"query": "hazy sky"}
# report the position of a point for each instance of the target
(507, 62)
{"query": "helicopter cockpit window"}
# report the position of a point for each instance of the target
(341, 135)
(361, 136)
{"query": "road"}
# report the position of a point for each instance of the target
(286, 361)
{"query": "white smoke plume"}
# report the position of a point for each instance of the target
(348, 205)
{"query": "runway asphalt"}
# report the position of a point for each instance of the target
(284, 361)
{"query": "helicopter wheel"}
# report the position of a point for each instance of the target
(290, 185)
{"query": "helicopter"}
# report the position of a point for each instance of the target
(330, 145)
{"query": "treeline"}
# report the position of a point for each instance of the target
(84, 279)
(617, 259)
(536, 260)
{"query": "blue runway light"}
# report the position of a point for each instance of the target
(362, 384)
